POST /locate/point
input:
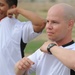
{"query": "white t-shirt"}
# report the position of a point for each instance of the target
(46, 64)
(11, 32)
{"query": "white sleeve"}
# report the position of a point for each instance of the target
(28, 32)
(35, 58)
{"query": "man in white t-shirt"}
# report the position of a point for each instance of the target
(12, 31)
(60, 22)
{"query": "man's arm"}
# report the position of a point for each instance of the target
(22, 66)
(38, 22)
(67, 57)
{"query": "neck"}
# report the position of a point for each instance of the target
(64, 41)
(69, 43)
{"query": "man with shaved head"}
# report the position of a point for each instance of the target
(60, 22)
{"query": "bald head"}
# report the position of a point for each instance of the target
(67, 11)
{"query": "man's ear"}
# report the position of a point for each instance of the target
(71, 24)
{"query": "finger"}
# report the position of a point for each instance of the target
(26, 63)
(16, 16)
(10, 15)
(22, 66)
(30, 62)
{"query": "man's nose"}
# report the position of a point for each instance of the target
(49, 25)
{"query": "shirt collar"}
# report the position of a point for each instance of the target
(67, 44)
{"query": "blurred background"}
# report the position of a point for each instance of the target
(40, 7)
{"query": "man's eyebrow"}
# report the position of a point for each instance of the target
(1, 3)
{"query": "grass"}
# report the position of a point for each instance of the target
(33, 46)
(33, 74)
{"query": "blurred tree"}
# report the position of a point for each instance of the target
(32, 0)
(52, 0)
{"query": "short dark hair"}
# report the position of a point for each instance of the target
(12, 2)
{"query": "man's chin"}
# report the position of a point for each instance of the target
(52, 39)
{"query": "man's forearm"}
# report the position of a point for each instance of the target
(64, 55)
(38, 22)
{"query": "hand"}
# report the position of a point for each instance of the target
(43, 48)
(12, 11)
(23, 65)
